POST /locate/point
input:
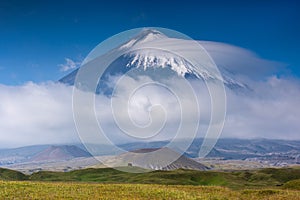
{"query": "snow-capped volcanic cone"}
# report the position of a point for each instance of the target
(154, 59)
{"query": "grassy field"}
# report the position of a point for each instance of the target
(62, 190)
(235, 180)
(179, 184)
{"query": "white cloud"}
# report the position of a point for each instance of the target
(69, 65)
(33, 114)
(158, 109)
(271, 110)
(42, 113)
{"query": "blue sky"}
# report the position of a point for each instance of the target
(37, 36)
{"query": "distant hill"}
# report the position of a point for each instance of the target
(21, 154)
(61, 152)
(155, 159)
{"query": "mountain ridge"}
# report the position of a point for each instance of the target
(245, 153)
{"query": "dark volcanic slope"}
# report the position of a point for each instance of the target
(64, 152)
(184, 162)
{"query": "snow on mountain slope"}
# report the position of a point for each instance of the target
(138, 56)
(147, 35)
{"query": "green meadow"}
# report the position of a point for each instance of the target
(109, 183)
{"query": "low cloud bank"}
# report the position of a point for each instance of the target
(42, 113)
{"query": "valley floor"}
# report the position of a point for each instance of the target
(62, 190)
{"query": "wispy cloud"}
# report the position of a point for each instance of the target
(241, 61)
(69, 65)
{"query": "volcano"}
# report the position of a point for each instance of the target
(159, 60)
(148, 159)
